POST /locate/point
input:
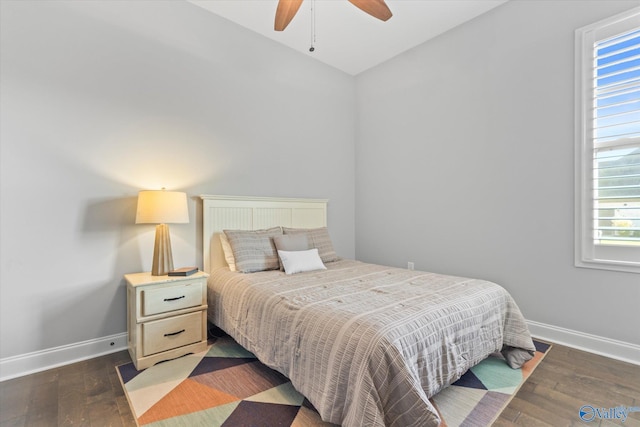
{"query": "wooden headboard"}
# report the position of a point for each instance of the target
(253, 213)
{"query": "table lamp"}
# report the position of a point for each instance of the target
(162, 207)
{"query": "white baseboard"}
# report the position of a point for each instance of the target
(620, 350)
(25, 364)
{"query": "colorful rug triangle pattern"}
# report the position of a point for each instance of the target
(227, 386)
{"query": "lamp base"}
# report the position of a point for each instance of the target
(162, 256)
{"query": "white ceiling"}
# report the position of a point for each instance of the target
(346, 37)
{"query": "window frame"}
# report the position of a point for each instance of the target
(587, 253)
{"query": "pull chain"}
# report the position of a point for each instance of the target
(313, 25)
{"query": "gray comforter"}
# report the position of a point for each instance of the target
(366, 344)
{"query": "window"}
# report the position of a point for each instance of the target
(608, 144)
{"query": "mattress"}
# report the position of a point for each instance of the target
(367, 344)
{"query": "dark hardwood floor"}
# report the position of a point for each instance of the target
(566, 380)
(86, 393)
(89, 393)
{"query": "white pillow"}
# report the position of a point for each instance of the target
(228, 252)
(300, 261)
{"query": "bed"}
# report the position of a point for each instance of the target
(365, 344)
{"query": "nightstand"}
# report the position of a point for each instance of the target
(166, 316)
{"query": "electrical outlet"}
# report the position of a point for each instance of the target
(410, 265)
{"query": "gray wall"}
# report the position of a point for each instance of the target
(464, 164)
(103, 99)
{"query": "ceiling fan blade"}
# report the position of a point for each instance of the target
(287, 9)
(376, 8)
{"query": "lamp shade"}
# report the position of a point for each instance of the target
(162, 207)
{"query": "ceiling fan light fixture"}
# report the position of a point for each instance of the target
(287, 9)
(285, 12)
(376, 8)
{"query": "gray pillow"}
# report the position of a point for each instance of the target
(318, 238)
(291, 242)
(254, 250)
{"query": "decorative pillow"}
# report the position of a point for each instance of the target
(254, 250)
(318, 238)
(228, 252)
(291, 242)
(300, 261)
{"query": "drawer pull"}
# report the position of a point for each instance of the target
(174, 333)
(174, 299)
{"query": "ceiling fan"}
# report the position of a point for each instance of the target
(287, 9)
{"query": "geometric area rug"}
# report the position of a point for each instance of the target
(480, 395)
(227, 386)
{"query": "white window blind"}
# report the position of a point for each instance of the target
(616, 140)
(608, 143)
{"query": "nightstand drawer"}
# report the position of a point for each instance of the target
(172, 332)
(161, 300)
